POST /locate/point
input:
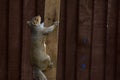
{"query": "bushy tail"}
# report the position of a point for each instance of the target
(42, 75)
(38, 74)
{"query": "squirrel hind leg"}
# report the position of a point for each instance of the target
(50, 64)
(46, 63)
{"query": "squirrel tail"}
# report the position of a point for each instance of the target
(42, 75)
(38, 74)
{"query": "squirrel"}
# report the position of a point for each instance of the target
(39, 58)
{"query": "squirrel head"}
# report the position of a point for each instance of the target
(34, 21)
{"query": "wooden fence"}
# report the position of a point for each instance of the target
(89, 39)
(15, 37)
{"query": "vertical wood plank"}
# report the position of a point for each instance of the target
(14, 46)
(28, 12)
(60, 75)
(71, 39)
(111, 40)
(118, 46)
(3, 38)
(98, 40)
(84, 39)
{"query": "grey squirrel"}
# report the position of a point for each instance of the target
(39, 58)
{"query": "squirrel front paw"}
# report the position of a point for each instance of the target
(56, 23)
(50, 65)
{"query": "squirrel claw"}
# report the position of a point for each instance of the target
(56, 23)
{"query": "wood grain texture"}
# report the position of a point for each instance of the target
(98, 40)
(28, 12)
(111, 40)
(84, 39)
(71, 39)
(51, 15)
(14, 40)
(118, 45)
(60, 75)
(3, 39)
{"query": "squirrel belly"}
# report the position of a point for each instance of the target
(39, 57)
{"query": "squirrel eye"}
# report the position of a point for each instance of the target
(36, 19)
